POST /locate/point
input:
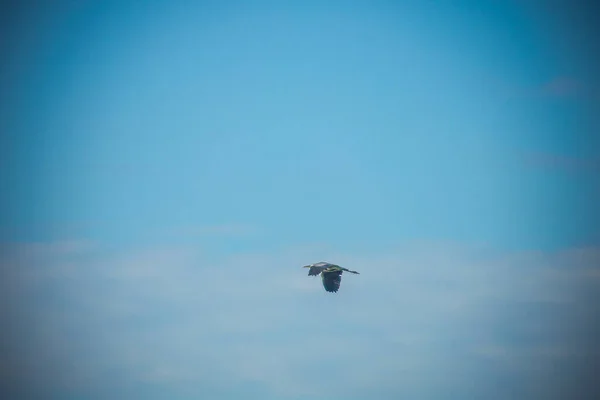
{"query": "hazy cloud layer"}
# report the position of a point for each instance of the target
(563, 163)
(562, 86)
(426, 320)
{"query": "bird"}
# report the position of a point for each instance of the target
(331, 274)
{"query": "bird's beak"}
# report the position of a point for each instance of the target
(306, 266)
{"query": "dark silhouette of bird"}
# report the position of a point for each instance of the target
(331, 274)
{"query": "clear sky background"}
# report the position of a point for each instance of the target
(168, 167)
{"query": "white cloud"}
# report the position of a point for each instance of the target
(424, 314)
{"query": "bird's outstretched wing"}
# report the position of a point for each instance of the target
(332, 281)
(317, 268)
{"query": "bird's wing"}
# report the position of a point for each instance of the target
(324, 264)
(332, 281)
(315, 270)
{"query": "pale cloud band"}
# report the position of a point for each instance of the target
(421, 320)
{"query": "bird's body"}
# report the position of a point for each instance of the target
(331, 274)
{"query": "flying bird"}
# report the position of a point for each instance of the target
(331, 274)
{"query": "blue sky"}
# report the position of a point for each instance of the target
(162, 147)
